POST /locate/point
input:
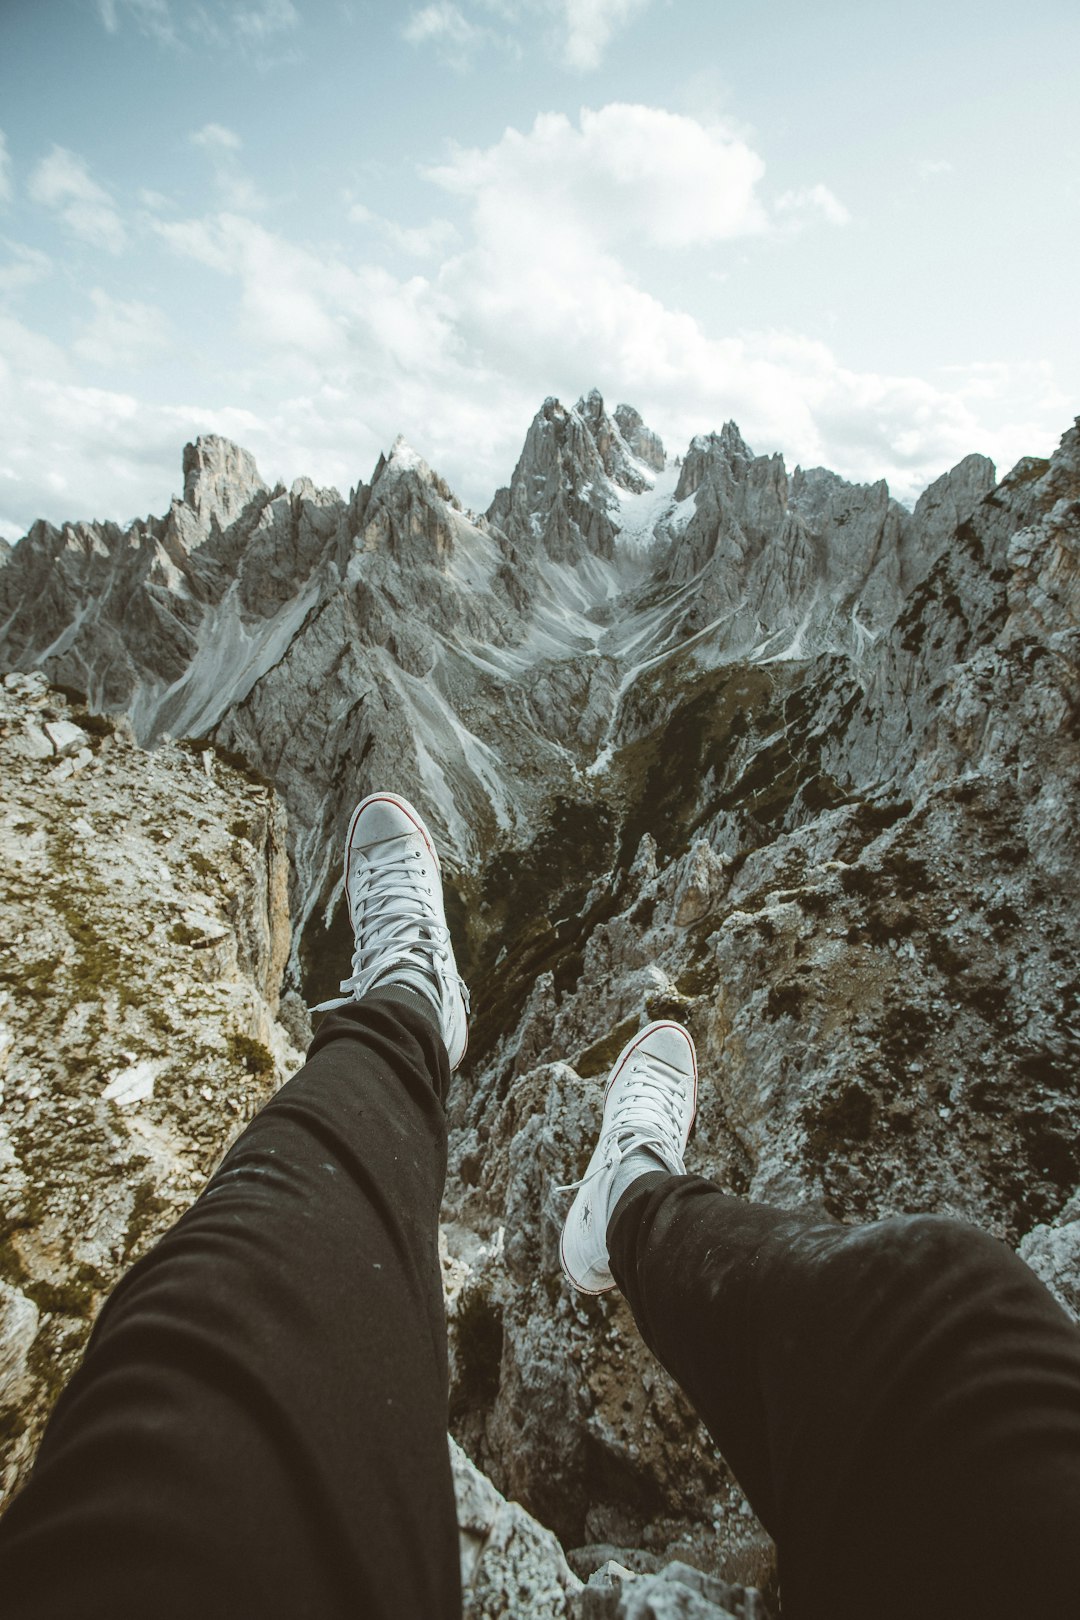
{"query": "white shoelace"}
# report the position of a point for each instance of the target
(398, 932)
(648, 1116)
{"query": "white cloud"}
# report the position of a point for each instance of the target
(445, 27)
(216, 138)
(259, 22)
(5, 170)
(26, 265)
(576, 32)
(439, 22)
(930, 167)
(236, 191)
(809, 200)
(153, 18)
(626, 171)
(428, 241)
(63, 183)
(122, 334)
(590, 25)
(217, 23)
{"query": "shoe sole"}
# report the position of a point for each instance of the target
(418, 822)
(620, 1062)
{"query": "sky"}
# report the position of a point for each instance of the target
(312, 225)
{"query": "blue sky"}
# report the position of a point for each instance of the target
(313, 224)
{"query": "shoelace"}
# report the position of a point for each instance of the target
(399, 930)
(648, 1116)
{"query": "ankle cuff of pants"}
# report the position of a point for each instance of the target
(402, 996)
(379, 1016)
(640, 1187)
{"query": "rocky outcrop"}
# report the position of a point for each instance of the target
(145, 931)
(220, 481)
(640, 440)
(780, 568)
(678, 1592)
(510, 1565)
(556, 501)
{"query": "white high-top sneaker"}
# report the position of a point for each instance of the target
(650, 1102)
(393, 885)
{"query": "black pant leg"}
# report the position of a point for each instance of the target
(900, 1401)
(259, 1424)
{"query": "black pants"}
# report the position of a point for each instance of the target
(259, 1424)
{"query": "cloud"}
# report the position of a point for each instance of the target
(87, 452)
(590, 25)
(810, 200)
(5, 170)
(576, 32)
(437, 23)
(218, 23)
(63, 183)
(216, 138)
(928, 168)
(236, 191)
(317, 314)
(26, 265)
(151, 17)
(428, 241)
(122, 334)
(625, 172)
(444, 26)
(260, 22)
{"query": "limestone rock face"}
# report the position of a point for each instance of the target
(762, 752)
(945, 503)
(145, 931)
(1053, 1253)
(220, 480)
(646, 445)
(564, 495)
(678, 1592)
(557, 496)
(510, 1565)
(785, 568)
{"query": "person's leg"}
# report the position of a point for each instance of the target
(259, 1424)
(900, 1401)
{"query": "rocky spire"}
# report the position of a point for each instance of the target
(646, 445)
(575, 467)
(220, 479)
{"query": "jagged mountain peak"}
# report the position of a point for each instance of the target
(575, 470)
(405, 463)
(403, 458)
(642, 441)
(621, 462)
(952, 496)
(709, 452)
(220, 479)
